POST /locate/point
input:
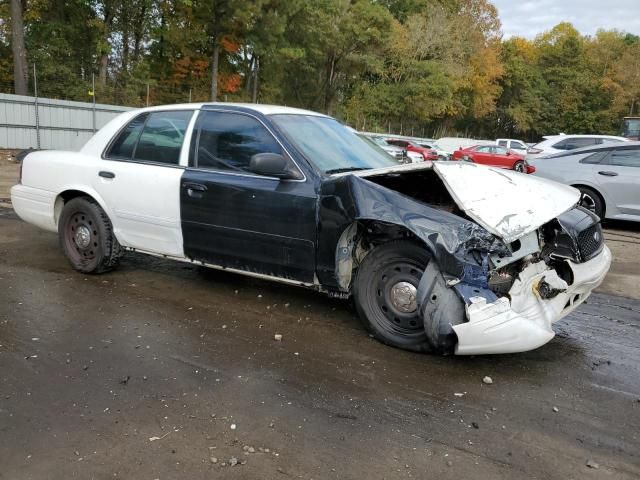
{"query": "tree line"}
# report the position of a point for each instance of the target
(422, 67)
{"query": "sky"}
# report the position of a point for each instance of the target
(527, 18)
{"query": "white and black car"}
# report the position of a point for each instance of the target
(446, 257)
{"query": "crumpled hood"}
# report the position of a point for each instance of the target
(506, 203)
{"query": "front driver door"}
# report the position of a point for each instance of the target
(234, 218)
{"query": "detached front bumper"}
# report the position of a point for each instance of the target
(524, 322)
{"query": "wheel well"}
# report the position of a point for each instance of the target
(63, 198)
(358, 239)
(604, 204)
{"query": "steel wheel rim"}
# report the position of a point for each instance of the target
(395, 294)
(519, 167)
(81, 236)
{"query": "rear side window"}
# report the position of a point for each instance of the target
(152, 137)
(227, 141)
(162, 137)
(124, 144)
(628, 157)
(503, 143)
(573, 143)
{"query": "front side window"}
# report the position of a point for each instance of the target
(227, 141)
(518, 146)
(500, 150)
(483, 149)
(628, 157)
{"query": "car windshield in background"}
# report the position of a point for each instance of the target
(329, 145)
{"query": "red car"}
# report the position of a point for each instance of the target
(427, 153)
(494, 156)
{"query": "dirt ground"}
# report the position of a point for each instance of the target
(161, 370)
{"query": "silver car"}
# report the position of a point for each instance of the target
(608, 176)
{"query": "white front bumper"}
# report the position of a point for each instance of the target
(524, 323)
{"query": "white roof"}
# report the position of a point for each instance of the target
(562, 135)
(260, 108)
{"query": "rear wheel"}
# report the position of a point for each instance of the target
(592, 201)
(519, 166)
(385, 293)
(86, 236)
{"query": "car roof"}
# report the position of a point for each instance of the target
(256, 107)
(594, 149)
(557, 137)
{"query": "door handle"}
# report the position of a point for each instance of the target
(105, 174)
(194, 190)
(198, 187)
(608, 174)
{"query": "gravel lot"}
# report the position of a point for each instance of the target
(164, 370)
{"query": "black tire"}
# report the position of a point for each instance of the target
(519, 166)
(383, 271)
(86, 236)
(592, 201)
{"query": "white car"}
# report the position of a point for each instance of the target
(518, 146)
(562, 143)
(294, 196)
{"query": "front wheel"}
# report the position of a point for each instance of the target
(519, 166)
(385, 292)
(86, 236)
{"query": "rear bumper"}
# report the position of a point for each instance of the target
(34, 205)
(524, 322)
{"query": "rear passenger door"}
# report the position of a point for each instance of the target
(237, 219)
(139, 179)
(618, 175)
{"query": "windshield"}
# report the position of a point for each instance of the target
(329, 145)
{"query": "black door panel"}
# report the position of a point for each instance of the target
(250, 223)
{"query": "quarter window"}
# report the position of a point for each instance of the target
(595, 158)
(227, 141)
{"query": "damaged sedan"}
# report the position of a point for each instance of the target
(450, 258)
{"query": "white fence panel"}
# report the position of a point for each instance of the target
(29, 122)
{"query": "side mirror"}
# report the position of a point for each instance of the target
(274, 165)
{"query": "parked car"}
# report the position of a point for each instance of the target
(562, 143)
(608, 176)
(427, 153)
(445, 257)
(445, 146)
(494, 156)
(398, 153)
(516, 146)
